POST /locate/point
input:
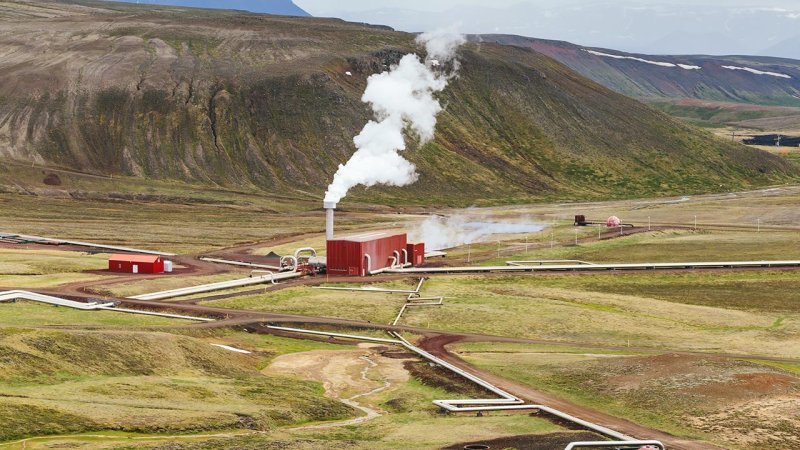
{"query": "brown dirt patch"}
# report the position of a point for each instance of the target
(531, 441)
(52, 179)
(340, 370)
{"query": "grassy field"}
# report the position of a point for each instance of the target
(149, 386)
(26, 268)
(376, 307)
(703, 398)
(53, 381)
(660, 246)
(151, 383)
(26, 314)
(164, 283)
(550, 308)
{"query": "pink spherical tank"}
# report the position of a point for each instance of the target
(613, 222)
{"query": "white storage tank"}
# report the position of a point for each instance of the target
(167, 266)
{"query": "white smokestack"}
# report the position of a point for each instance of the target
(329, 207)
(400, 97)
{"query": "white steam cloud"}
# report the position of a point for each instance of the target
(401, 97)
(440, 233)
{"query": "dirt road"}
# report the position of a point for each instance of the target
(437, 346)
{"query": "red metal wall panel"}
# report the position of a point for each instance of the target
(125, 265)
(347, 258)
(416, 254)
(382, 250)
(344, 258)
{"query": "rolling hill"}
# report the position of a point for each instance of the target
(277, 7)
(743, 79)
(269, 103)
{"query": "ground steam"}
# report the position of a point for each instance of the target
(401, 98)
(447, 232)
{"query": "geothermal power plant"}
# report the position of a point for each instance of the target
(368, 253)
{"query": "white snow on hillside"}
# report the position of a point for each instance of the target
(757, 72)
(655, 63)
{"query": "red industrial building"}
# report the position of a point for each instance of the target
(416, 253)
(360, 254)
(136, 263)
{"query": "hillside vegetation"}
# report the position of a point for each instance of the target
(60, 381)
(264, 103)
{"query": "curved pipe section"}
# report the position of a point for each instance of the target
(290, 261)
(303, 250)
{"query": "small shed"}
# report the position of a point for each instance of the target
(128, 263)
(416, 253)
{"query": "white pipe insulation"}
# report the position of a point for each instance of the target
(93, 306)
(303, 250)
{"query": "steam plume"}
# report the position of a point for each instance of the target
(440, 233)
(400, 97)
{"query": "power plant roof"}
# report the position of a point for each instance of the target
(368, 236)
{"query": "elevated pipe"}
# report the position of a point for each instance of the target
(614, 444)
(50, 300)
(93, 306)
(222, 285)
(600, 267)
(303, 250)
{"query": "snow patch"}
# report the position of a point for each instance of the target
(647, 61)
(757, 72)
(232, 349)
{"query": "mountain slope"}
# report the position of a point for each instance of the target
(265, 102)
(277, 7)
(719, 78)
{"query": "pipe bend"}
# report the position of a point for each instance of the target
(303, 250)
(293, 261)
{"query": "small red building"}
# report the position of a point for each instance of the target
(359, 254)
(136, 263)
(416, 253)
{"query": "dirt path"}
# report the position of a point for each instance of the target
(345, 374)
(370, 412)
(437, 346)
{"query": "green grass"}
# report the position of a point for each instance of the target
(572, 313)
(23, 261)
(665, 392)
(24, 268)
(665, 246)
(45, 281)
(764, 291)
(24, 314)
(376, 307)
(145, 382)
(164, 283)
